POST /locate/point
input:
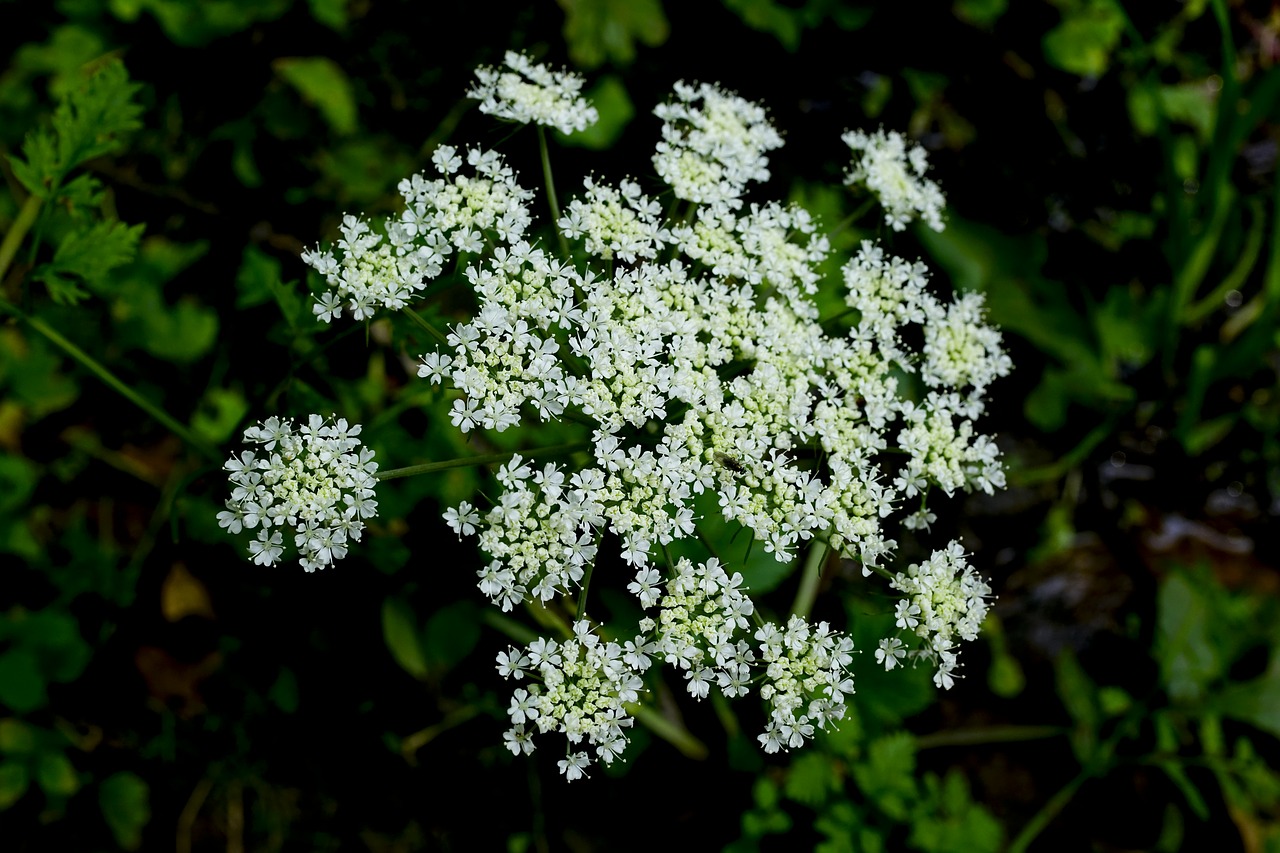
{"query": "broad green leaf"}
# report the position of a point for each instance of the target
(190, 24)
(1256, 702)
(1194, 104)
(18, 478)
(124, 799)
(284, 692)
(1082, 44)
(16, 737)
(450, 634)
(600, 30)
(324, 85)
(258, 271)
(21, 682)
(609, 96)
(54, 637)
(331, 13)
(400, 631)
(980, 13)
(56, 775)
(14, 780)
(220, 412)
(1189, 659)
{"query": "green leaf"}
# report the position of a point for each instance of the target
(331, 13)
(1082, 44)
(190, 24)
(18, 477)
(887, 777)
(54, 636)
(980, 13)
(599, 30)
(810, 778)
(258, 272)
(21, 683)
(1080, 696)
(220, 412)
(89, 254)
(14, 780)
(1189, 659)
(609, 96)
(450, 634)
(16, 737)
(124, 800)
(56, 775)
(400, 631)
(1194, 104)
(284, 693)
(91, 119)
(1256, 702)
(324, 85)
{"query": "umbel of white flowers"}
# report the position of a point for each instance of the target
(695, 347)
(315, 479)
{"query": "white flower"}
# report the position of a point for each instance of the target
(531, 93)
(317, 479)
(894, 173)
(713, 144)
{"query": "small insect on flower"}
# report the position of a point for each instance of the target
(727, 462)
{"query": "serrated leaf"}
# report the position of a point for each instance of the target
(89, 254)
(810, 778)
(91, 119)
(400, 631)
(324, 85)
(124, 800)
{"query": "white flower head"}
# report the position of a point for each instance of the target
(895, 173)
(529, 93)
(316, 479)
(713, 144)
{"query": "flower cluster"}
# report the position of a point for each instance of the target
(531, 93)
(316, 479)
(585, 686)
(694, 353)
(455, 212)
(713, 144)
(945, 602)
(894, 173)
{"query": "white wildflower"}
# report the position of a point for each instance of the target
(532, 93)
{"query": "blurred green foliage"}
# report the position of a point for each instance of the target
(157, 691)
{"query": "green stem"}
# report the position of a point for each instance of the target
(989, 734)
(431, 330)
(1046, 815)
(551, 191)
(114, 382)
(1234, 280)
(810, 576)
(18, 231)
(857, 214)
